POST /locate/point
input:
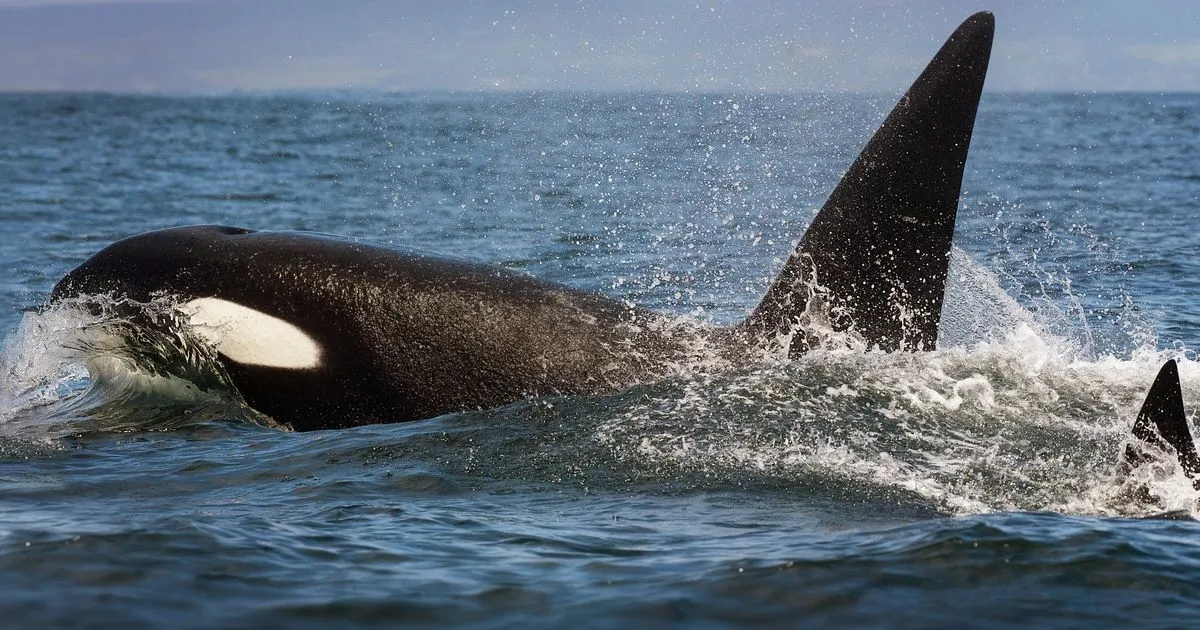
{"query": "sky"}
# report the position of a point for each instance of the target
(217, 46)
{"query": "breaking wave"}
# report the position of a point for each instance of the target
(103, 364)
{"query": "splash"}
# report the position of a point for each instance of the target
(1005, 415)
(102, 364)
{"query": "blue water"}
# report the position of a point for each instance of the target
(974, 483)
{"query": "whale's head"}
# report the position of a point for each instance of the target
(140, 266)
(194, 268)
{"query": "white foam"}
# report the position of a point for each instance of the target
(1008, 417)
(39, 360)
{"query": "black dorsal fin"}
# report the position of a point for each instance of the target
(1162, 422)
(879, 248)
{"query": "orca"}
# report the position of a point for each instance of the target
(319, 332)
(1161, 427)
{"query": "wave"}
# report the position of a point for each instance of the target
(99, 364)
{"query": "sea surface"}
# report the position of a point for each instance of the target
(976, 484)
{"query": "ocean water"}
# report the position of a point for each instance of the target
(975, 483)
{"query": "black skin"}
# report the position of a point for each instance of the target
(411, 336)
(883, 237)
(1162, 425)
(407, 337)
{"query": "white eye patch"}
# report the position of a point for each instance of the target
(252, 337)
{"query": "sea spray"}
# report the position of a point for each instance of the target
(102, 364)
